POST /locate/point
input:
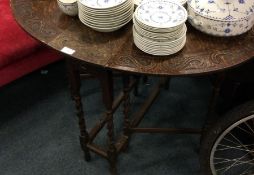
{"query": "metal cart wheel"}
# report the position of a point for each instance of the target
(228, 145)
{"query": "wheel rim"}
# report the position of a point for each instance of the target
(233, 151)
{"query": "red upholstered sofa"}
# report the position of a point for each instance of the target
(19, 53)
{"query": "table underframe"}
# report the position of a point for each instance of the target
(130, 125)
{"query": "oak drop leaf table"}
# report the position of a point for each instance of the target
(102, 53)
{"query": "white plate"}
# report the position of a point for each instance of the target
(105, 11)
(108, 19)
(138, 2)
(161, 13)
(106, 29)
(154, 29)
(160, 36)
(151, 43)
(159, 47)
(158, 43)
(106, 24)
(159, 51)
(102, 4)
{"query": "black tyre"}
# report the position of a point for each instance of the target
(227, 147)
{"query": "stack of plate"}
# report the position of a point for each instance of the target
(159, 27)
(105, 15)
(137, 2)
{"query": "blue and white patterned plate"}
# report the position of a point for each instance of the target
(161, 13)
(183, 2)
(101, 4)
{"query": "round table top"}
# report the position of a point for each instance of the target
(115, 50)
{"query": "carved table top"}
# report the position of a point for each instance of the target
(202, 54)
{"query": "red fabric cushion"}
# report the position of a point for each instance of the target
(22, 67)
(15, 43)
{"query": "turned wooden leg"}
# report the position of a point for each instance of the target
(74, 81)
(107, 92)
(215, 94)
(211, 113)
(126, 109)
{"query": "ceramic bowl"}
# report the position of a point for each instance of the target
(69, 7)
(218, 18)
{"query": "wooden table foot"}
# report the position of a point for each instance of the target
(126, 109)
(74, 81)
(83, 142)
(106, 80)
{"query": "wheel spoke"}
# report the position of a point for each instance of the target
(233, 149)
(246, 123)
(250, 168)
(237, 140)
(245, 131)
(247, 170)
(230, 141)
(234, 160)
(227, 147)
(236, 163)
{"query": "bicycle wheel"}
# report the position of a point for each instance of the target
(228, 145)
